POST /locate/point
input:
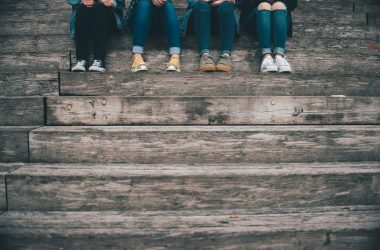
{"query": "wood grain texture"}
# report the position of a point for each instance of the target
(181, 187)
(14, 144)
(205, 144)
(212, 110)
(5, 169)
(41, 83)
(200, 84)
(325, 228)
(21, 111)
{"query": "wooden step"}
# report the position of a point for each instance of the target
(5, 169)
(348, 228)
(247, 60)
(275, 110)
(62, 187)
(204, 144)
(63, 44)
(218, 84)
(43, 83)
(21, 111)
(14, 144)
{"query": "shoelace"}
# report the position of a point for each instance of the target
(268, 60)
(282, 61)
(138, 60)
(206, 56)
(174, 61)
(81, 62)
(97, 63)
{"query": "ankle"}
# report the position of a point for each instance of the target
(266, 56)
(278, 56)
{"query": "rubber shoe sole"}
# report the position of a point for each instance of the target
(97, 69)
(223, 68)
(207, 68)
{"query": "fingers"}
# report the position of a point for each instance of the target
(88, 3)
(158, 3)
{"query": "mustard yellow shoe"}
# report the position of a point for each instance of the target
(174, 63)
(138, 63)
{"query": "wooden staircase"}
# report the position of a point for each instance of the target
(191, 160)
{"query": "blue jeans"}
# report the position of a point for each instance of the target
(271, 28)
(206, 17)
(142, 22)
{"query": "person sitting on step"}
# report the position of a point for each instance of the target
(204, 17)
(94, 18)
(271, 22)
(162, 15)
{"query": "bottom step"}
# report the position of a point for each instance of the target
(355, 227)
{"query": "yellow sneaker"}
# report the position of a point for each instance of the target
(138, 63)
(174, 63)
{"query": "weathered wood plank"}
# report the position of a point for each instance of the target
(14, 144)
(5, 168)
(145, 187)
(37, 62)
(29, 83)
(212, 110)
(235, 84)
(338, 228)
(205, 144)
(63, 43)
(21, 111)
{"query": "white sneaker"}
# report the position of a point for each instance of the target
(80, 66)
(268, 65)
(97, 66)
(283, 65)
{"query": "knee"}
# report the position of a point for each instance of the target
(264, 6)
(278, 6)
(202, 6)
(226, 7)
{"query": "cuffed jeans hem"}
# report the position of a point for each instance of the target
(266, 51)
(280, 51)
(225, 52)
(137, 49)
(204, 51)
(174, 50)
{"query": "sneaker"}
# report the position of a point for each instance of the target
(174, 63)
(138, 63)
(80, 66)
(97, 66)
(206, 63)
(283, 65)
(268, 65)
(224, 63)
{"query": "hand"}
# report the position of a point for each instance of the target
(218, 2)
(107, 3)
(158, 3)
(88, 3)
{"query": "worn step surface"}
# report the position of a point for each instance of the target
(248, 110)
(14, 143)
(218, 84)
(21, 111)
(353, 227)
(78, 187)
(5, 169)
(43, 83)
(205, 144)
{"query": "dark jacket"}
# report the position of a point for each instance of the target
(247, 6)
(119, 8)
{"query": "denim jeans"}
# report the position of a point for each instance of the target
(271, 28)
(205, 18)
(145, 12)
(93, 22)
